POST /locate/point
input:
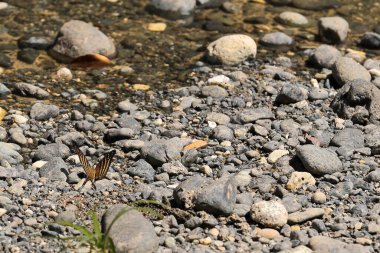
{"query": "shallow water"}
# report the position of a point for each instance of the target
(160, 59)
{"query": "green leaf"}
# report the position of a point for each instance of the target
(80, 228)
(96, 224)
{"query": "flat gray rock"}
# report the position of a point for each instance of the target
(291, 94)
(302, 216)
(49, 151)
(132, 232)
(77, 38)
(29, 90)
(214, 91)
(42, 111)
(55, 169)
(319, 161)
(330, 245)
(351, 138)
(252, 115)
(276, 39)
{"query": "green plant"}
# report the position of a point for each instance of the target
(101, 242)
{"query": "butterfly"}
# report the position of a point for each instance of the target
(97, 172)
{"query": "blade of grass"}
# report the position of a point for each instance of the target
(80, 228)
(96, 224)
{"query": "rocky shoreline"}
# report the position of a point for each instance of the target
(262, 157)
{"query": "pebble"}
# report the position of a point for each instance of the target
(231, 49)
(292, 19)
(318, 197)
(307, 214)
(268, 233)
(276, 39)
(30, 90)
(277, 154)
(64, 74)
(214, 91)
(269, 213)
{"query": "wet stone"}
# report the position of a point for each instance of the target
(28, 55)
(292, 18)
(36, 42)
(4, 91)
(276, 39)
(5, 61)
(69, 42)
(172, 9)
(370, 40)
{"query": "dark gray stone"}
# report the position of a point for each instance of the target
(319, 161)
(142, 169)
(55, 169)
(370, 40)
(116, 134)
(29, 90)
(218, 197)
(159, 151)
(128, 121)
(358, 100)
(291, 94)
(28, 55)
(350, 138)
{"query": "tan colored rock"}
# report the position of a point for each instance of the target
(298, 179)
(231, 49)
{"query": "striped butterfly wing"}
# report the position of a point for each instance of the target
(90, 171)
(102, 167)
